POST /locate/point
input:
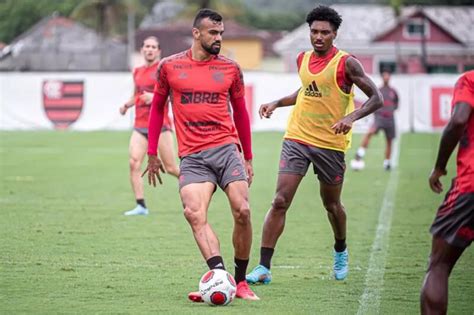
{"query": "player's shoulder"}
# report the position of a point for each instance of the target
(176, 58)
(223, 60)
(468, 77)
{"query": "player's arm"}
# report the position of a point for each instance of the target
(266, 110)
(356, 74)
(128, 104)
(450, 138)
(155, 123)
(242, 124)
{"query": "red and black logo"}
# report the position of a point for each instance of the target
(63, 101)
(199, 97)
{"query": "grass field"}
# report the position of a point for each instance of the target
(66, 247)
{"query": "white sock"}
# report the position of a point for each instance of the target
(361, 152)
(386, 162)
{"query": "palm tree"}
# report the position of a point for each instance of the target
(106, 17)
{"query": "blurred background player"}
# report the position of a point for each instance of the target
(144, 78)
(201, 83)
(453, 227)
(318, 133)
(383, 119)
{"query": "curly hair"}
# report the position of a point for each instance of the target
(324, 13)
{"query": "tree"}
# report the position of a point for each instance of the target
(18, 16)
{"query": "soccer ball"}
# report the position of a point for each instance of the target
(217, 287)
(357, 165)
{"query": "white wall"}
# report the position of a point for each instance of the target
(423, 98)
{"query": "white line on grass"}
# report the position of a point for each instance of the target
(370, 300)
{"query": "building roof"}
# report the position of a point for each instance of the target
(175, 37)
(364, 23)
(57, 43)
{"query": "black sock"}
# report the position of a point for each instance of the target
(216, 262)
(141, 202)
(266, 254)
(340, 245)
(240, 269)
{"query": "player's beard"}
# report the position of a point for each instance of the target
(213, 49)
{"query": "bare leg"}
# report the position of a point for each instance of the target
(434, 293)
(237, 193)
(366, 139)
(137, 150)
(388, 149)
(331, 197)
(196, 198)
(275, 219)
(167, 153)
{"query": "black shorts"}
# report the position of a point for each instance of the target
(454, 221)
(221, 166)
(385, 124)
(144, 131)
(328, 164)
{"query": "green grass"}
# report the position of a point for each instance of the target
(66, 247)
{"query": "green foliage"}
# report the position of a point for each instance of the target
(269, 20)
(18, 16)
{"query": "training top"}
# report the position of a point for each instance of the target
(390, 103)
(144, 78)
(319, 105)
(464, 92)
(200, 92)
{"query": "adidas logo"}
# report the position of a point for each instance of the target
(312, 90)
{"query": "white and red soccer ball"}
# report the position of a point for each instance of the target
(217, 287)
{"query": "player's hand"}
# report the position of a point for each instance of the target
(343, 126)
(249, 171)
(435, 183)
(146, 97)
(266, 110)
(153, 168)
(123, 109)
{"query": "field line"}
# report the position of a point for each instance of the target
(369, 302)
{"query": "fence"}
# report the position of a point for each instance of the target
(90, 101)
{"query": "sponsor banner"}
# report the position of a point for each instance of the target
(90, 101)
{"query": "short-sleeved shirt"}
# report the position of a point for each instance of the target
(464, 92)
(144, 78)
(200, 92)
(390, 103)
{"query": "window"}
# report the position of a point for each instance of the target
(468, 67)
(442, 69)
(416, 27)
(391, 66)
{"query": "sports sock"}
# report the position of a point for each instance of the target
(141, 202)
(340, 245)
(240, 269)
(266, 254)
(360, 153)
(216, 262)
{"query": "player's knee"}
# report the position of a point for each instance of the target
(193, 216)
(333, 207)
(242, 215)
(134, 164)
(280, 203)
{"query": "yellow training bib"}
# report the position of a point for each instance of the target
(319, 105)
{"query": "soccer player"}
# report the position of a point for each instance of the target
(453, 226)
(383, 119)
(201, 82)
(318, 133)
(144, 80)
